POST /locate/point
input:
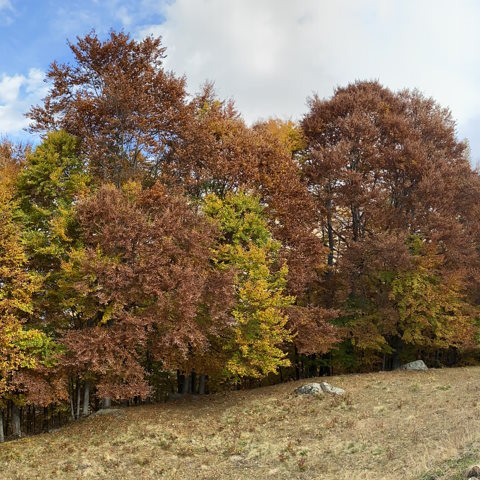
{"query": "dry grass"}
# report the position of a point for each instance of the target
(390, 425)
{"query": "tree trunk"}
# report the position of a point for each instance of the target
(180, 380)
(86, 398)
(45, 425)
(71, 394)
(331, 241)
(78, 398)
(72, 408)
(16, 424)
(2, 436)
(186, 384)
(201, 385)
(297, 370)
(107, 402)
(193, 382)
(397, 348)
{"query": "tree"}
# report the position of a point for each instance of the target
(141, 287)
(48, 186)
(221, 155)
(21, 348)
(260, 323)
(119, 101)
(382, 167)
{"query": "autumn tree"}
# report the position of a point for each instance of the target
(221, 155)
(259, 331)
(117, 98)
(23, 349)
(141, 287)
(382, 167)
(48, 186)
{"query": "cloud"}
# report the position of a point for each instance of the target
(271, 54)
(6, 5)
(17, 94)
(6, 12)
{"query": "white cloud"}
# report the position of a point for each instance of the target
(6, 12)
(6, 5)
(17, 94)
(271, 54)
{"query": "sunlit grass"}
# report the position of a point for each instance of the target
(390, 425)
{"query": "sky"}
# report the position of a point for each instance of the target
(268, 55)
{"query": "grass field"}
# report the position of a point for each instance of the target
(396, 425)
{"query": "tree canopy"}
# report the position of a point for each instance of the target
(154, 242)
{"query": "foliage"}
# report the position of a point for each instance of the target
(20, 348)
(116, 97)
(389, 179)
(246, 245)
(142, 284)
(152, 232)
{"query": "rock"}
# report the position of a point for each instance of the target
(417, 365)
(236, 458)
(327, 388)
(318, 389)
(108, 411)
(309, 389)
(473, 472)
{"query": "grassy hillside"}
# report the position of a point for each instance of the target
(390, 425)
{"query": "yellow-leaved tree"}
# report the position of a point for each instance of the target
(259, 329)
(20, 348)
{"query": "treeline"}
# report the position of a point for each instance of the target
(153, 242)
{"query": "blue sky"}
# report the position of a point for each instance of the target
(34, 32)
(269, 55)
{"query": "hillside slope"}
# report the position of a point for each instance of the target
(390, 425)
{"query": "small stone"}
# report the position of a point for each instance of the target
(236, 458)
(319, 389)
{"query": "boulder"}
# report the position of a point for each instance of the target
(319, 389)
(309, 389)
(417, 365)
(109, 411)
(327, 388)
(473, 472)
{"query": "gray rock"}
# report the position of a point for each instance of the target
(309, 389)
(473, 472)
(236, 458)
(319, 389)
(327, 388)
(109, 411)
(417, 365)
